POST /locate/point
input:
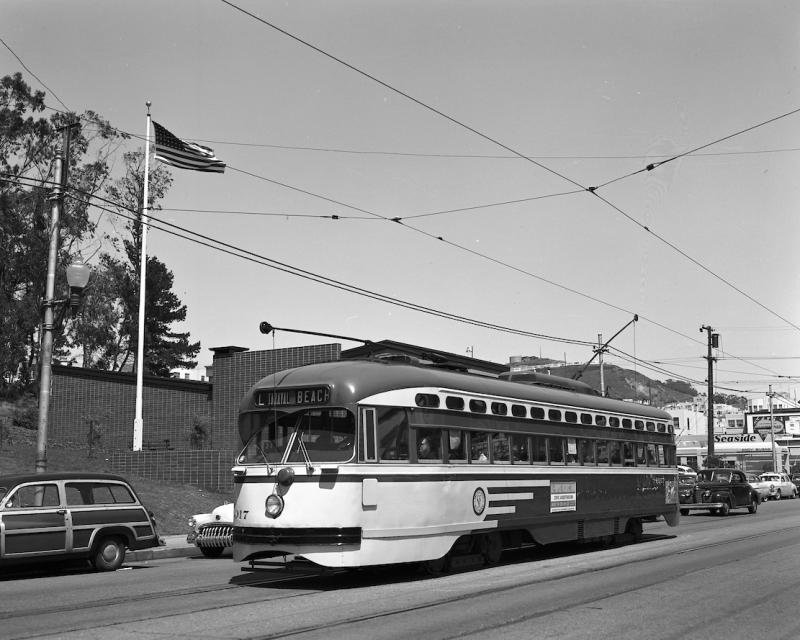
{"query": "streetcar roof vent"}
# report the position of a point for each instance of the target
(547, 380)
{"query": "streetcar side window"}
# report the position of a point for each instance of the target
(556, 450)
(477, 406)
(613, 421)
(600, 421)
(479, 447)
(614, 452)
(587, 452)
(392, 434)
(641, 459)
(518, 411)
(627, 454)
(572, 451)
(457, 446)
(429, 444)
(500, 447)
(499, 408)
(539, 450)
(537, 413)
(602, 453)
(652, 456)
(519, 449)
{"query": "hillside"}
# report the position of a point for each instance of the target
(624, 384)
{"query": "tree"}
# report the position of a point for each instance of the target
(27, 153)
(681, 387)
(108, 332)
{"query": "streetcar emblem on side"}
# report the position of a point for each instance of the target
(478, 501)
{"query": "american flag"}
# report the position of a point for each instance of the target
(185, 155)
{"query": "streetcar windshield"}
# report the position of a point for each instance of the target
(327, 435)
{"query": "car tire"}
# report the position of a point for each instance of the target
(212, 552)
(725, 509)
(778, 495)
(753, 506)
(109, 554)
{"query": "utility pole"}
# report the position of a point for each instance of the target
(600, 349)
(46, 355)
(771, 393)
(713, 342)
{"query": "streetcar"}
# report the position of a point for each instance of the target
(358, 463)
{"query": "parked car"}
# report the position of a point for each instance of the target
(720, 490)
(781, 485)
(762, 486)
(60, 516)
(212, 533)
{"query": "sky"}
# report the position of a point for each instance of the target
(480, 126)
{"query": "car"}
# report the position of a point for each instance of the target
(687, 471)
(212, 533)
(686, 484)
(719, 490)
(781, 485)
(762, 486)
(796, 481)
(56, 516)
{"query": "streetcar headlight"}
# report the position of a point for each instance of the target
(274, 505)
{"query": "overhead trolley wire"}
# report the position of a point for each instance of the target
(177, 230)
(592, 190)
(235, 251)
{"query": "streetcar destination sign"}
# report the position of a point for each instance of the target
(293, 397)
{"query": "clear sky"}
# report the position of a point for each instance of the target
(590, 91)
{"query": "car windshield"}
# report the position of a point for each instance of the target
(326, 435)
(771, 477)
(713, 475)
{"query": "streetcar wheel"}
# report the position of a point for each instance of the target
(725, 509)
(109, 554)
(753, 505)
(492, 548)
(212, 552)
(684, 512)
(634, 529)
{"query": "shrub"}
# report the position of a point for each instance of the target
(200, 432)
(26, 413)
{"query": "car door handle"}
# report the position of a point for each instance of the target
(63, 512)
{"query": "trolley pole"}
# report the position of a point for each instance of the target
(771, 393)
(713, 341)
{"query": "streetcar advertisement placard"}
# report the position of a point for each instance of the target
(563, 497)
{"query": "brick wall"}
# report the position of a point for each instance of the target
(169, 407)
(203, 468)
(236, 370)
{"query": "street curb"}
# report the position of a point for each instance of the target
(158, 553)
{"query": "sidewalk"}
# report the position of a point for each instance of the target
(176, 547)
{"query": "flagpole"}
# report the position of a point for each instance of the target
(138, 422)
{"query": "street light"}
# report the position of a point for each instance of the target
(77, 278)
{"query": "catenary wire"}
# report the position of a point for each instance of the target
(523, 156)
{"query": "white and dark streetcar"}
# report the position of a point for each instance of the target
(363, 463)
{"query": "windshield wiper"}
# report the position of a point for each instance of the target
(298, 437)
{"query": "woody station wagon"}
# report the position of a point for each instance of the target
(60, 516)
